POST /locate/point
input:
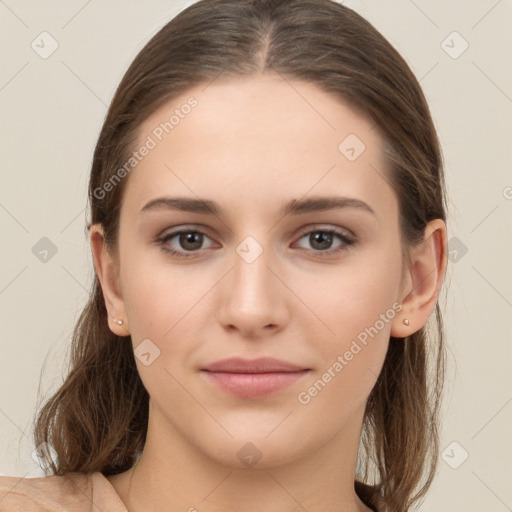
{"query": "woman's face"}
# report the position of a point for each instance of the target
(260, 281)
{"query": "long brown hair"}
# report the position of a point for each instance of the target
(97, 420)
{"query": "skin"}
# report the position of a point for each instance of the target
(252, 145)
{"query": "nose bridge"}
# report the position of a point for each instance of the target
(252, 300)
(251, 274)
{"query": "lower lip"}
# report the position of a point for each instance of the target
(253, 385)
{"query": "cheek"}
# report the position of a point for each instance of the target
(159, 296)
(169, 306)
(351, 360)
(350, 297)
(164, 306)
(355, 309)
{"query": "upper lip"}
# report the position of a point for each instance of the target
(260, 365)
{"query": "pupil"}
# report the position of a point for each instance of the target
(325, 239)
(187, 238)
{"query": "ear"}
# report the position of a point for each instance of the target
(423, 280)
(107, 271)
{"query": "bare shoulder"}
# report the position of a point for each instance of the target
(55, 493)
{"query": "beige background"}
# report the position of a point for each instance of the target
(51, 114)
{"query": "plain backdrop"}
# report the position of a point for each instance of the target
(52, 109)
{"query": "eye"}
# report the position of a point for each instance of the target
(189, 240)
(321, 240)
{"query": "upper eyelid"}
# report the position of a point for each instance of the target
(320, 227)
(171, 232)
(306, 229)
(300, 234)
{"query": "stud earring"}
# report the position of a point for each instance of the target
(118, 322)
(406, 322)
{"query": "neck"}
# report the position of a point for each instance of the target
(173, 475)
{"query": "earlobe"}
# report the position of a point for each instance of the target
(107, 272)
(428, 261)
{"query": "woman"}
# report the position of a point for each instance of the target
(269, 239)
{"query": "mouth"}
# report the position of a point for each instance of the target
(253, 378)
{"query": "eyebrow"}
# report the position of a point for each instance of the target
(294, 207)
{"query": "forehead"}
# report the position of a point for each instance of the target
(261, 137)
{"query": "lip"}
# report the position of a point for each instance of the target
(260, 365)
(253, 378)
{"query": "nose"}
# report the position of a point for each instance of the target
(254, 299)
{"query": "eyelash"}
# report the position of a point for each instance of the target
(347, 242)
